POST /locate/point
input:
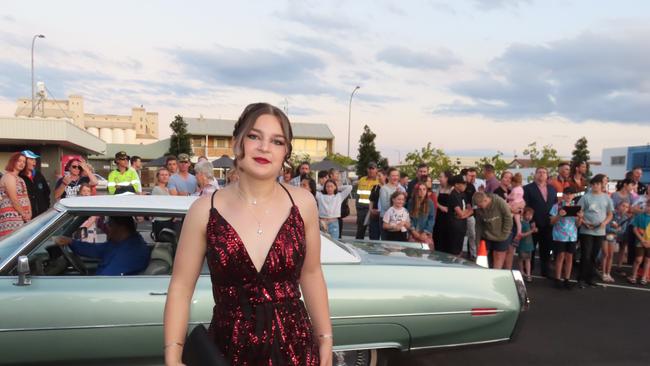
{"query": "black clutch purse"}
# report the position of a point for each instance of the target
(200, 350)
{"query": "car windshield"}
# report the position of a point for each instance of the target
(11, 242)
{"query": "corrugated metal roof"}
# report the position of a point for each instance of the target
(224, 127)
(50, 130)
(144, 151)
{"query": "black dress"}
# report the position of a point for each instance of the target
(457, 227)
(441, 226)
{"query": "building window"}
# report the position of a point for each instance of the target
(223, 143)
(298, 144)
(322, 145)
(618, 160)
(310, 145)
(198, 142)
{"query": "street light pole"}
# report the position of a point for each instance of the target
(33, 41)
(350, 116)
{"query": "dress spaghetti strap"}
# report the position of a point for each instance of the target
(212, 201)
(286, 190)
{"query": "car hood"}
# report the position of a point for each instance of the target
(403, 254)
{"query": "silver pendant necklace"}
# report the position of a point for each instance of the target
(253, 202)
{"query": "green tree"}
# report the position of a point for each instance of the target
(296, 159)
(436, 159)
(368, 152)
(179, 142)
(545, 157)
(581, 153)
(342, 160)
(496, 161)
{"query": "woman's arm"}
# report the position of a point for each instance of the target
(60, 188)
(91, 177)
(345, 191)
(312, 281)
(187, 267)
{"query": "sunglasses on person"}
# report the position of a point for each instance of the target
(75, 167)
(121, 158)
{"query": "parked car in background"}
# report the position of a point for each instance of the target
(385, 297)
(102, 183)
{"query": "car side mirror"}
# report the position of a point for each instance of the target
(22, 268)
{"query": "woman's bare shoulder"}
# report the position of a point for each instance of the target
(302, 197)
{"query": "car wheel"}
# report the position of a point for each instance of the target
(371, 357)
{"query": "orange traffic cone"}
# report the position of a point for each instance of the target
(481, 257)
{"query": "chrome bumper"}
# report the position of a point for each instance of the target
(522, 293)
(524, 303)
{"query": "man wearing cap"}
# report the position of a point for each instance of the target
(183, 183)
(123, 179)
(364, 187)
(37, 187)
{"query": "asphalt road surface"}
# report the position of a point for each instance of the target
(607, 325)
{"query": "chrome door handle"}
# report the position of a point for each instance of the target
(158, 293)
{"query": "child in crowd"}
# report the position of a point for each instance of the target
(641, 227)
(615, 236)
(308, 183)
(397, 220)
(329, 206)
(88, 230)
(517, 203)
(526, 245)
(565, 238)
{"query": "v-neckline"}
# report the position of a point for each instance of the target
(245, 249)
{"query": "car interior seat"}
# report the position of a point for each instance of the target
(162, 254)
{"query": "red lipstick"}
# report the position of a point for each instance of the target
(262, 161)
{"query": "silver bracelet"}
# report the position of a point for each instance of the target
(326, 336)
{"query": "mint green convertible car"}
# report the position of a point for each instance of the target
(385, 298)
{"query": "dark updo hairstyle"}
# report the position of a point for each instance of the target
(247, 120)
(622, 183)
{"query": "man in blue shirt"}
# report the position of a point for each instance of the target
(125, 252)
(182, 183)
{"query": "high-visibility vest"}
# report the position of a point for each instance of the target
(128, 178)
(364, 188)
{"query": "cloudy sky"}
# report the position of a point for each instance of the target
(471, 76)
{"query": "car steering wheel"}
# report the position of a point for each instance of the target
(74, 260)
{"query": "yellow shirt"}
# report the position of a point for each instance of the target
(363, 190)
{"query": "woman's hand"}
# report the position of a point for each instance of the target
(26, 216)
(62, 240)
(325, 350)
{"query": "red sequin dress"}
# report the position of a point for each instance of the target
(258, 318)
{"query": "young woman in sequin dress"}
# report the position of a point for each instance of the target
(262, 242)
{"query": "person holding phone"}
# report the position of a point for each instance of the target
(565, 237)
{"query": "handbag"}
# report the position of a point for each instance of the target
(200, 350)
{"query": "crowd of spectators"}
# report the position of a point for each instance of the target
(554, 218)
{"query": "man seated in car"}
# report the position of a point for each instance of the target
(124, 253)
